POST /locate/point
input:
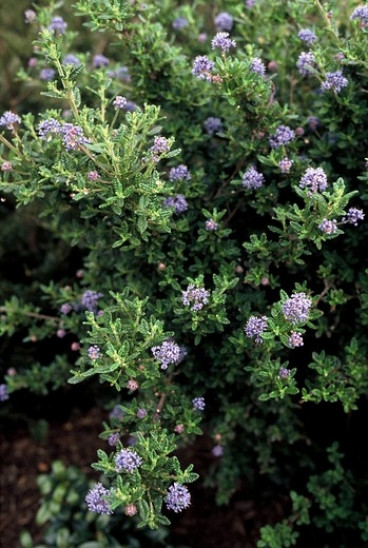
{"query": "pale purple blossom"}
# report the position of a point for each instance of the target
(328, 227)
(306, 63)
(89, 300)
(141, 413)
(224, 21)
(257, 66)
(283, 136)
(100, 61)
(180, 23)
(222, 41)
(127, 460)
(296, 308)
(8, 119)
(130, 510)
(71, 59)
(217, 451)
(132, 385)
(178, 202)
(313, 123)
(160, 146)
(252, 179)
(93, 176)
(4, 395)
(60, 333)
(94, 352)
(113, 439)
(285, 165)
(307, 36)
(295, 340)
(47, 74)
(213, 125)
(72, 136)
(178, 497)
(6, 166)
(30, 16)
(361, 14)
(116, 413)
(335, 81)
(58, 25)
(211, 225)
(199, 403)
(66, 308)
(120, 102)
(48, 127)
(179, 173)
(314, 179)
(284, 372)
(203, 67)
(353, 216)
(95, 500)
(195, 297)
(167, 353)
(255, 326)
(249, 4)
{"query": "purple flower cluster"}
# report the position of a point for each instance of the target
(353, 216)
(113, 439)
(130, 510)
(217, 451)
(89, 300)
(221, 40)
(296, 309)
(328, 227)
(178, 497)
(93, 176)
(100, 61)
(250, 3)
(180, 23)
(335, 81)
(30, 16)
(58, 25)
(6, 166)
(116, 413)
(213, 125)
(141, 413)
(314, 179)
(283, 136)
(203, 67)
(199, 403)
(306, 63)
(8, 119)
(284, 373)
(95, 501)
(71, 59)
(295, 340)
(211, 225)
(168, 352)
(127, 460)
(47, 74)
(313, 122)
(361, 14)
(94, 352)
(307, 36)
(120, 102)
(72, 136)
(285, 165)
(178, 202)
(224, 21)
(257, 66)
(48, 127)
(179, 173)
(66, 308)
(255, 327)
(160, 145)
(252, 179)
(4, 395)
(195, 297)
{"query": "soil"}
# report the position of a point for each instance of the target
(75, 442)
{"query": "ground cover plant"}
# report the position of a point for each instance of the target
(184, 187)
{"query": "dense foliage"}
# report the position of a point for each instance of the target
(184, 187)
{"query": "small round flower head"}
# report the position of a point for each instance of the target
(249, 4)
(160, 145)
(283, 136)
(168, 352)
(179, 428)
(132, 385)
(306, 63)
(257, 66)
(119, 102)
(127, 460)
(75, 346)
(224, 21)
(95, 501)
(130, 106)
(199, 403)
(221, 40)
(58, 25)
(30, 16)
(93, 176)
(4, 395)
(47, 74)
(180, 23)
(202, 37)
(313, 123)
(141, 413)
(113, 439)
(178, 497)
(89, 300)
(60, 333)
(100, 61)
(49, 127)
(314, 179)
(211, 225)
(295, 340)
(255, 327)
(130, 510)
(203, 67)
(94, 352)
(217, 451)
(66, 308)
(307, 36)
(178, 202)
(116, 413)
(285, 165)
(213, 125)
(252, 179)
(72, 136)
(328, 227)
(296, 309)
(32, 62)
(353, 216)
(71, 59)
(179, 173)
(195, 297)
(6, 166)
(361, 14)
(8, 119)
(284, 373)
(335, 81)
